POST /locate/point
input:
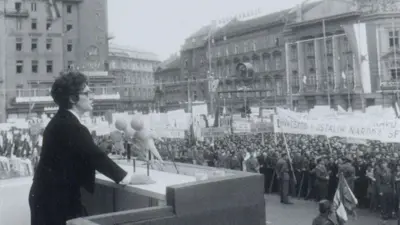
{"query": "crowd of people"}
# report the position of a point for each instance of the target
(300, 166)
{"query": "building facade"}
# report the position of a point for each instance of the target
(194, 66)
(169, 93)
(326, 59)
(260, 44)
(134, 73)
(37, 46)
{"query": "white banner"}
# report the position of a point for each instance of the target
(382, 130)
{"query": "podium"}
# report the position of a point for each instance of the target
(235, 197)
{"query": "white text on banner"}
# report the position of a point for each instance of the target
(382, 131)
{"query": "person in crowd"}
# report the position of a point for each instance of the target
(69, 157)
(283, 174)
(385, 185)
(348, 171)
(321, 179)
(324, 217)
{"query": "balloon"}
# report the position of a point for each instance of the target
(137, 123)
(120, 124)
(116, 136)
(129, 132)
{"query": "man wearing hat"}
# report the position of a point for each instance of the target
(324, 214)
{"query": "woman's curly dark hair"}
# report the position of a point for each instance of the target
(68, 85)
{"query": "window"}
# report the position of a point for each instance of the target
(69, 9)
(394, 38)
(70, 64)
(49, 66)
(236, 49)
(254, 46)
(310, 49)
(69, 27)
(393, 73)
(19, 66)
(34, 24)
(19, 91)
(329, 47)
(17, 6)
(33, 6)
(278, 62)
(48, 25)
(18, 44)
(49, 44)
(266, 63)
(35, 66)
(34, 44)
(293, 51)
(18, 25)
(69, 46)
(245, 47)
(103, 89)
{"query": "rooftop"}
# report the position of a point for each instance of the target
(173, 62)
(130, 52)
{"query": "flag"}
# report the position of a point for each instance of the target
(304, 79)
(357, 37)
(53, 11)
(344, 201)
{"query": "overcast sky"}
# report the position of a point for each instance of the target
(161, 26)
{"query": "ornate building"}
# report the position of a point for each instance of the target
(343, 54)
(36, 45)
(170, 92)
(133, 70)
(259, 43)
(194, 65)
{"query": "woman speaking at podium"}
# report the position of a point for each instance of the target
(70, 157)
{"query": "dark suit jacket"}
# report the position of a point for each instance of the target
(68, 161)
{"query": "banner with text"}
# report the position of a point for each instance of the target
(385, 131)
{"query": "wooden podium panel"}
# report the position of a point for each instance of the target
(237, 199)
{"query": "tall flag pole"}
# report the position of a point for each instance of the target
(326, 63)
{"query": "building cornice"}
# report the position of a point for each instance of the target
(377, 16)
(327, 19)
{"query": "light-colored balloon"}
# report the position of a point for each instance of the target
(120, 124)
(116, 136)
(137, 123)
(129, 132)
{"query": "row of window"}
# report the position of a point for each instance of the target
(247, 46)
(139, 79)
(18, 7)
(130, 65)
(19, 44)
(140, 92)
(35, 65)
(34, 25)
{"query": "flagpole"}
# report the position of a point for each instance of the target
(210, 67)
(4, 60)
(395, 62)
(326, 63)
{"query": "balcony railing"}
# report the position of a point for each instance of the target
(17, 13)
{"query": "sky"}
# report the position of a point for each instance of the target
(161, 26)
